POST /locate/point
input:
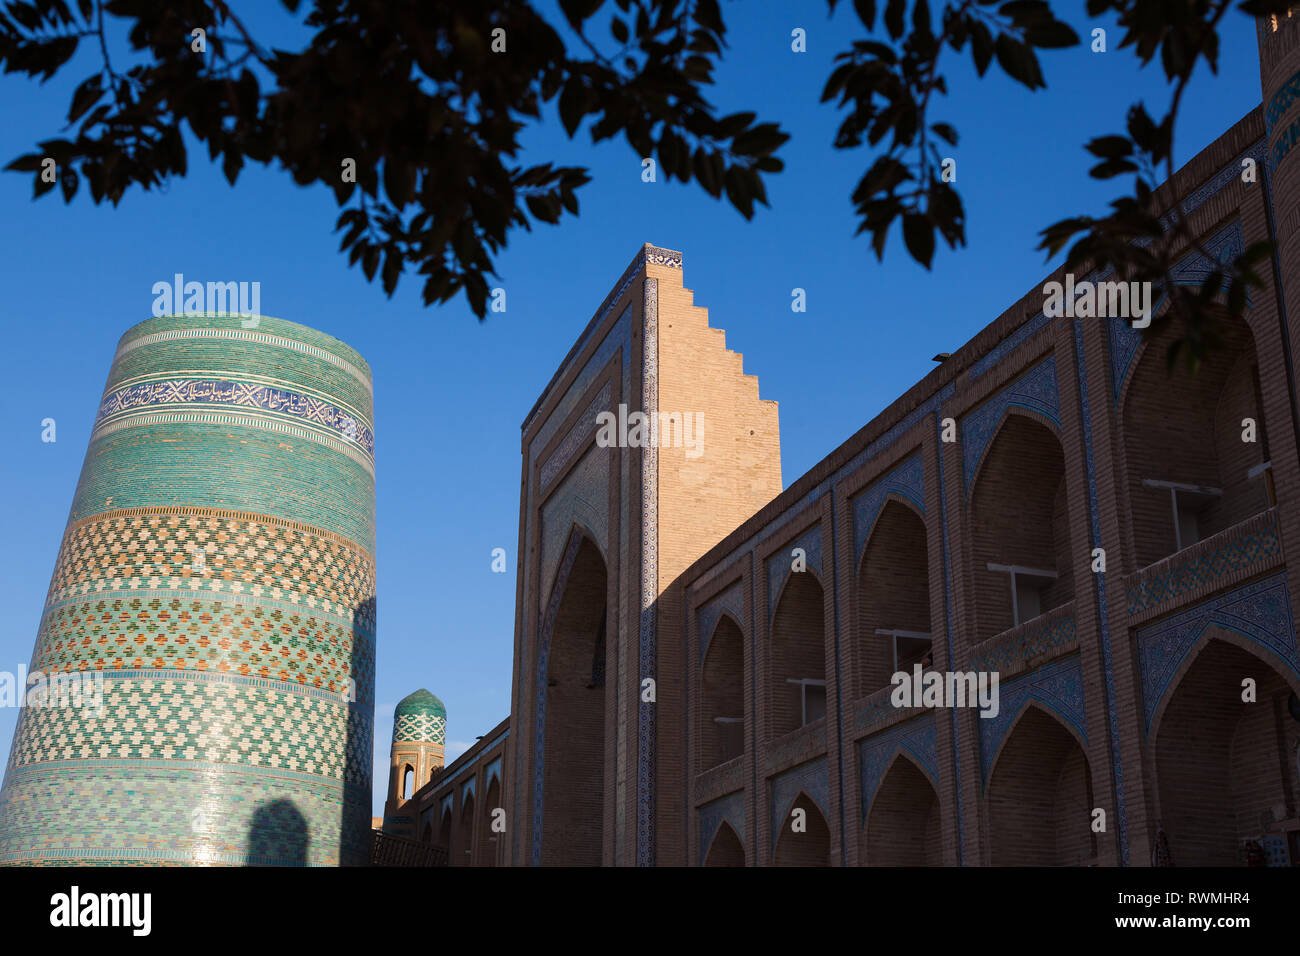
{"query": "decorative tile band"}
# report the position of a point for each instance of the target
(1051, 633)
(130, 632)
(1254, 544)
(171, 812)
(216, 391)
(240, 419)
(246, 554)
(242, 335)
(647, 666)
(420, 728)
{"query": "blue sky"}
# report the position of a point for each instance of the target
(451, 392)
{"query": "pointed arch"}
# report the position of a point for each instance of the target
(1189, 474)
(1020, 526)
(726, 848)
(569, 802)
(721, 733)
(488, 840)
(809, 847)
(1009, 414)
(893, 594)
(1225, 768)
(901, 826)
(797, 653)
(464, 841)
(1039, 796)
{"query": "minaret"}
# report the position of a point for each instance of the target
(419, 742)
(214, 595)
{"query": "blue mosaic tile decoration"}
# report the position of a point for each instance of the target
(1252, 542)
(948, 602)
(1103, 606)
(1035, 391)
(916, 738)
(220, 581)
(1260, 611)
(1058, 686)
(1225, 245)
(907, 480)
(779, 565)
(809, 778)
(730, 602)
(645, 763)
(1045, 634)
(1007, 345)
(730, 808)
(215, 391)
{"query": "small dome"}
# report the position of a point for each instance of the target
(421, 702)
(420, 718)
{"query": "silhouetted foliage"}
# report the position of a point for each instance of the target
(424, 100)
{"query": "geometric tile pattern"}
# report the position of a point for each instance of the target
(1049, 632)
(646, 716)
(57, 814)
(148, 716)
(232, 635)
(1058, 686)
(218, 574)
(409, 728)
(915, 738)
(1253, 541)
(215, 551)
(1035, 390)
(1260, 611)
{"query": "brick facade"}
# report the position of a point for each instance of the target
(1049, 504)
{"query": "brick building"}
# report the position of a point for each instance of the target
(703, 660)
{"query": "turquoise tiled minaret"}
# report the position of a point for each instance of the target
(218, 571)
(418, 749)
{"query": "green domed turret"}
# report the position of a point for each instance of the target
(420, 717)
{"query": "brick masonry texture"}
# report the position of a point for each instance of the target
(1122, 698)
(217, 572)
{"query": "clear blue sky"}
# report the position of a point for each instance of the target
(451, 392)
